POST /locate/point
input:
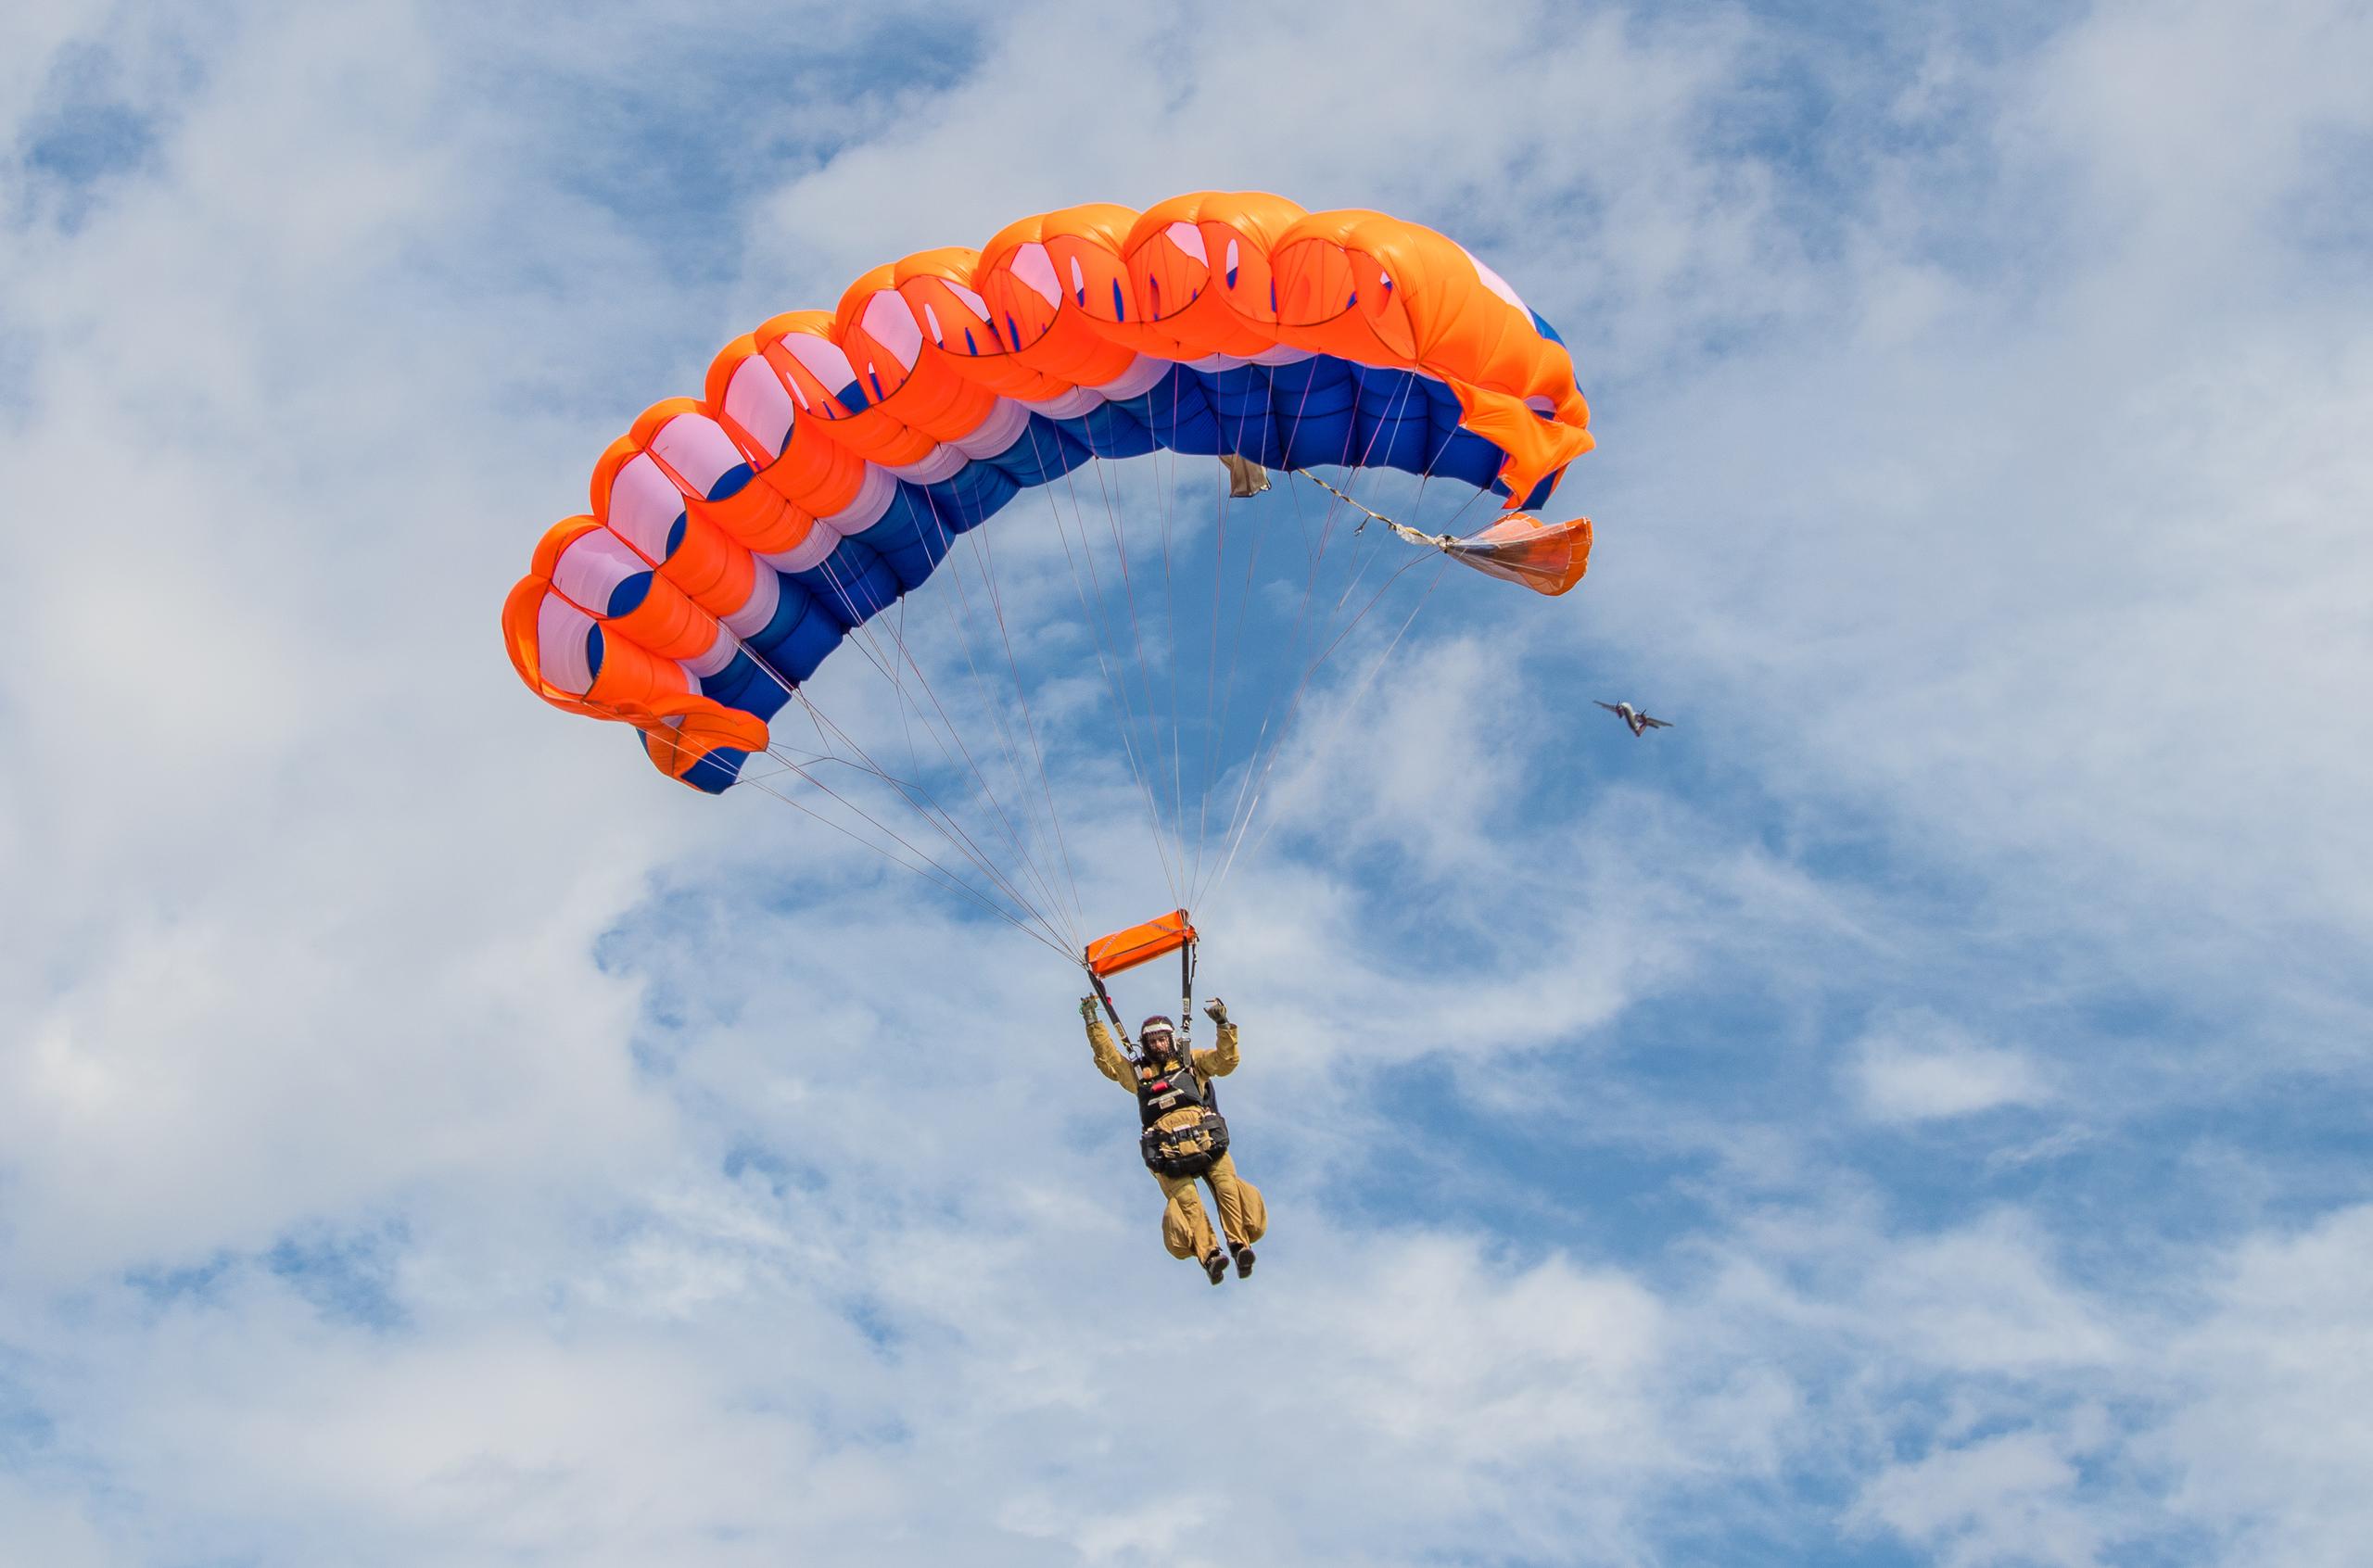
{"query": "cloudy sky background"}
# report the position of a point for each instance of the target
(1911, 1113)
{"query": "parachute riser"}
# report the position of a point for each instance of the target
(1111, 1012)
(1185, 995)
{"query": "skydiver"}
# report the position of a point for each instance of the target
(1185, 1137)
(1641, 723)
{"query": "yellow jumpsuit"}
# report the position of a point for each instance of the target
(1186, 1230)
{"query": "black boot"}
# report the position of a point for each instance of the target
(1243, 1261)
(1216, 1266)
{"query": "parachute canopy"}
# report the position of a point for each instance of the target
(736, 539)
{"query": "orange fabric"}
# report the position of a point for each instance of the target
(1190, 302)
(633, 684)
(677, 739)
(933, 396)
(558, 538)
(713, 569)
(635, 681)
(930, 283)
(1545, 557)
(666, 624)
(1537, 447)
(1063, 337)
(1109, 955)
(872, 433)
(519, 608)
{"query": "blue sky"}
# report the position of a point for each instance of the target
(1911, 1113)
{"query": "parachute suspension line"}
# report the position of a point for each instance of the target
(867, 641)
(947, 729)
(943, 822)
(1144, 675)
(1145, 754)
(1105, 658)
(985, 559)
(906, 722)
(1208, 742)
(1369, 558)
(795, 763)
(1269, 708)
(907, 729)
(1022, 776)
(943, 877)
(785, 759)
(1024, 863)
(1215, 736)
(1214, 739)
(1357, 697)
(1260, 768)
(918, 800)
(1170, 621)
(1265, 749)
(1259, 785)
(802, 767)
(1119, 685)
(1234, 659)
(922, 804)
(1213, 729)
(1361, 694)
(1164, 721)
(807, 771)
(791, 761)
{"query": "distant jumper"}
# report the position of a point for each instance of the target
(1641, 723)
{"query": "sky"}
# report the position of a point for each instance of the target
(1911, 1112)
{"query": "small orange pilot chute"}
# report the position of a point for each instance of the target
(1109, 955)
(1545, 557)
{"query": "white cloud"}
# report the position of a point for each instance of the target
(2000, 1500)
(51, 1527)
(1920, 1068)
(2269, 1446)
(1990, 1299)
